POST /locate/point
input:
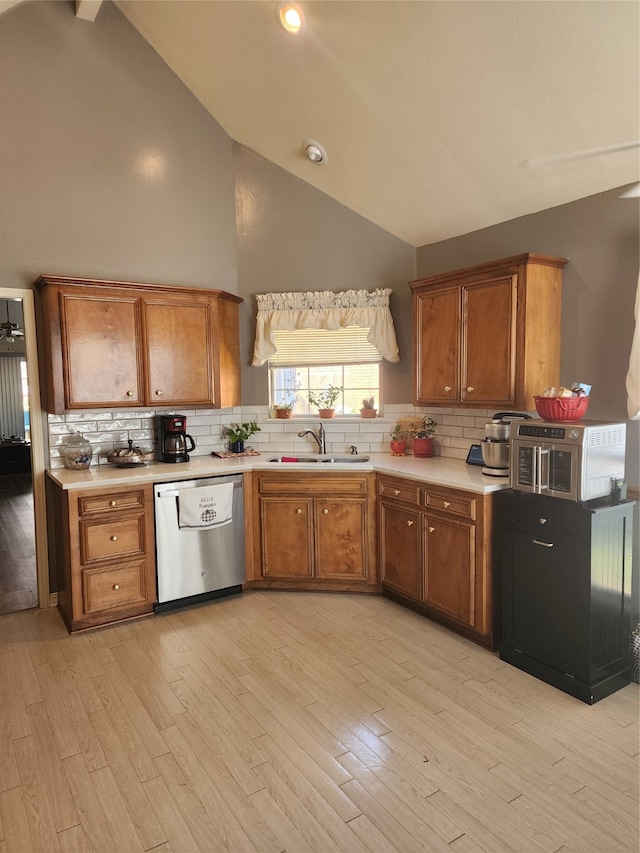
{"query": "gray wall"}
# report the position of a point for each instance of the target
(81, 105)
(293, 237)
(600, 237)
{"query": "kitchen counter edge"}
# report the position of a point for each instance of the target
(435, 470)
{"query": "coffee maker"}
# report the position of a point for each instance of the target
(175, 443)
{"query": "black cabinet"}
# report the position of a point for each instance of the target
(566, 592)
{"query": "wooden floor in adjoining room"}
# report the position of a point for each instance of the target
(275, 721)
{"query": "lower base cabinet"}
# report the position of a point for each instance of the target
(567, 579)
(436, 554)
(314, 532)
(101, 548)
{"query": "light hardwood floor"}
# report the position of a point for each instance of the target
(276, 721)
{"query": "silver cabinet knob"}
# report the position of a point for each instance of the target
(299, 512)
(409, 523)
(129, 393)
(114, 538)
(469, 387)
(112, 503)
(431, 529)
(447, 388)
(159, 392)
(116, 586)
(446, 504)
(325, 512)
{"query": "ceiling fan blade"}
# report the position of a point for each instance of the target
(579, 155)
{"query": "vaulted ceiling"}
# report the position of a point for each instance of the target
(437, 117)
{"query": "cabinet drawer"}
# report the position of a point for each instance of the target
(544, 517)
(400, 490)
(452, 503)
(107, 539)
(322, 485)
(105, 588)
(113, 502)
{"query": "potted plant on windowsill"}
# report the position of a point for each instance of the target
(398, 442)
(237, 434)
(324, 399)
(285, 408)
(368, 409)
(423, 437)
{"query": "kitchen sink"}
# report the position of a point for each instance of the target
(330, 460)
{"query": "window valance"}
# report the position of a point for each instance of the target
(326, 309)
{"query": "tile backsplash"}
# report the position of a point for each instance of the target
(106, 431)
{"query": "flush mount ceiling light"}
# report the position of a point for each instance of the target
(315, 152)
(290, 18)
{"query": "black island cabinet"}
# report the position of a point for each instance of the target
(567, 578)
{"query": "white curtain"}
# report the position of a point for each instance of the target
(633, 375)
(326, 309)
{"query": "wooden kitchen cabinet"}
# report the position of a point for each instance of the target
(488, 336)
(101, 548)
(314, 531)
(107, 344)
(436, 553)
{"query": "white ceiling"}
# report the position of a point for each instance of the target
(429, 110)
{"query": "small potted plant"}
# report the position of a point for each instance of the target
(398, 441)
(368, 409)
(285, 408)
(324, 400)
(423, 437)
(237, 434)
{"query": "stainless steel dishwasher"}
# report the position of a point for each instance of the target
(197, 564)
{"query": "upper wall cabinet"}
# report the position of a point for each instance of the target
(112, 344)
(488, 336)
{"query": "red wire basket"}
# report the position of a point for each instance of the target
(561, 408)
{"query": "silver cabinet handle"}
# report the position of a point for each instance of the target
(325, 512)
(469, 387)
(447, 387)
(409, 523)
(129, 393)
(544, 544)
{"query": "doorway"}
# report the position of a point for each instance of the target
(24, 574)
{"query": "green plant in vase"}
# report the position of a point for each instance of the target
(423, 437)
(398, 441)
(324, 399)
(237, 434)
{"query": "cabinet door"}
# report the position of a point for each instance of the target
(400, 547)
(101, 354)
(449, 576)
(179, 352)
(487, 374)
(437, 346)
(286, 537)
(341, 538)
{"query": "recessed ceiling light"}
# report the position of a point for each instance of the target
(315, 152)
(290, 17)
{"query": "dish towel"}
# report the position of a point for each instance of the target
(205, 506)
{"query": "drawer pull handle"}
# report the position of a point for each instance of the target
(431, 529)
(396, 492)
(159, 393)
(544, 544)
(469, 387)
(447, 388)
(129, 393)
(446, 504)
(114, 538)
(325, 512)
(299, 512)
(116, 586)
(543, 521)
(409, 523)
(112, 503)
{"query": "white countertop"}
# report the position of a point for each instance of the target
(439, 470)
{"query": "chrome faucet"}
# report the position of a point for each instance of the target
(319, 437)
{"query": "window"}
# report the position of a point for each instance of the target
(312, 359)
